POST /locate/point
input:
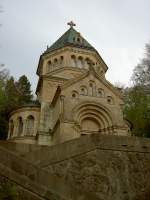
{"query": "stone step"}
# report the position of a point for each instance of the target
(78, 146)
(19, 148)
(36, 180)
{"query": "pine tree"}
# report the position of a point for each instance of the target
(11, 94)
(3, 121)
(24, 90)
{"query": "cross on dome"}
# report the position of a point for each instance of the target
(71, 24)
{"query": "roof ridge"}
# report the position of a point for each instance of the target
(62, 36)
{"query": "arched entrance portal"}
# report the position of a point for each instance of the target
(93, 117)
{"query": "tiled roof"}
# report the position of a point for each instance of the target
(70, 38)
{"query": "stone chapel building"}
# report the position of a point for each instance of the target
(75, 97)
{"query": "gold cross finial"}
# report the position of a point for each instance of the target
(71, 24)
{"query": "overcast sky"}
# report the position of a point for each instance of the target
(118, 29)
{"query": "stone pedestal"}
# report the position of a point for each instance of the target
(44, 138)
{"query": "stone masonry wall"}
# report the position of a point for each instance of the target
(34, 182)
(117, 168)
(105, 167)
(19, 192)
(110, 174)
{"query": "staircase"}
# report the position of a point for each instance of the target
(32, 178)
(80, 169)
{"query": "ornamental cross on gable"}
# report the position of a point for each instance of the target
(71, 24)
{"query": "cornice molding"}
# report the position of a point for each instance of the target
(76, 50)
(66, 68)
(24, 109)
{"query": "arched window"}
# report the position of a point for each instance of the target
(11, 128)
(102, 71)
(49, 63)
(75, 94)
(110, 100)
(80, 62)
(73, 61)
(20, 126)
(100, 92)
(78, 40)
(61, 59)
(91, 91)
(87, 63)
(55, 62)
(83, 90)
(30, 125)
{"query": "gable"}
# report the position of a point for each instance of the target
(86, 80)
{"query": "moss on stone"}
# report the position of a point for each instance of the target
(8, 191)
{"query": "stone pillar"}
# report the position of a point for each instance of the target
(35, 127)
(79, 63)
(84, 64)
(24, 127)
(44, 136)
(67, 61)
(15, 128)
(8, 137)
(62, 97)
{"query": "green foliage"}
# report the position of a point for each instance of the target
(12, 94)
(136, 110)
(24, 90)
(3, 124)
(8, 191)
(141, 74)
(137, 98)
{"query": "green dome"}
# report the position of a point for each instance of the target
(70, 38)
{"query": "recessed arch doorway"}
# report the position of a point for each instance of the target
(89, 124)
(93, 117)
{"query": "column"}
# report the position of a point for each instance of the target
(24, 132)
